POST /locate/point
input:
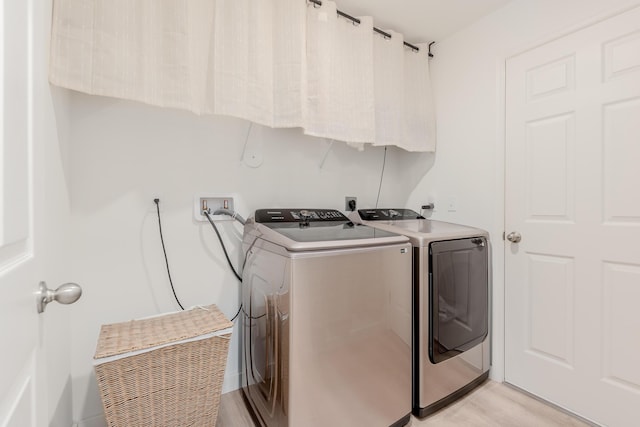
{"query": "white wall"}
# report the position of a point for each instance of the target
(468, 80)
(51, 128)
(56, 320)
(124, 154)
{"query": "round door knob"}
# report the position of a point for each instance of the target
(514, 237)
(64, 294)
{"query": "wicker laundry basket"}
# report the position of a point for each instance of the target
(165, 370)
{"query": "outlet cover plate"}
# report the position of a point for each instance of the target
(347, 199)
(213, 203)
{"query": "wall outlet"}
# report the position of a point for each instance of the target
(350, 203)
(212, 204)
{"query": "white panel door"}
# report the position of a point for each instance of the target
(27, 397)
(572, 329)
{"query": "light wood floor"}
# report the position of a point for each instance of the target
(492, 404)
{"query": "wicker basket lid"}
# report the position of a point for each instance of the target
(134, 335)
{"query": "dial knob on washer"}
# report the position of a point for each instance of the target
(304, 218)
(304, 215)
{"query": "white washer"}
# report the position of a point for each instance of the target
(327, 321)
(451, 302)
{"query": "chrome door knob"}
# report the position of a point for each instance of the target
(64, 294)
(514, 237)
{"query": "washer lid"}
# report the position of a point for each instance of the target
(310, 229)
(420, 231)
(388, 214)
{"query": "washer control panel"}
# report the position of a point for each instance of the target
(388, 214)
(298, 215)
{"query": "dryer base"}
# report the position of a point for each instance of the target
(434, 407)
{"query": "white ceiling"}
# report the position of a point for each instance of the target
(421, 20)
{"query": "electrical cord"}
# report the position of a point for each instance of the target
(164, 250)
(224, 249)
(166, 260)
(384, 161)
(241, 220)
(232, 214)
(235, 316)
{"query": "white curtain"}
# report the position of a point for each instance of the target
(419, 118)
(403, 104)
(259, 53)
(339, 80)
(153, 51)
(389, 88)
(280, 63)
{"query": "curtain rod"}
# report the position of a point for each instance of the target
(376, 29)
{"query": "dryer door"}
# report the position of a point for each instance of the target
(459, 289)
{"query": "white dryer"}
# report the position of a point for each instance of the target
(326, 321)
(451, 304)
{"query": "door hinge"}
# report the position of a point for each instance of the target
(503, 235)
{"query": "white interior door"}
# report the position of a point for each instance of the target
(572, 330)
(34, 365)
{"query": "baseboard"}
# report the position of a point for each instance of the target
(231, 382)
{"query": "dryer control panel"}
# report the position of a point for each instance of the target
(388, 214)
(298, 215)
